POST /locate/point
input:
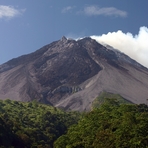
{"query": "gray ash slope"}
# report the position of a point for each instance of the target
(71, 74)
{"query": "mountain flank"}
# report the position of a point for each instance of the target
(70, 74)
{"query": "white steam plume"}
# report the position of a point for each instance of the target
(134, 46)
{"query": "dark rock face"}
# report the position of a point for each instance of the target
(56, 68)
(63, 66)
(63, 70)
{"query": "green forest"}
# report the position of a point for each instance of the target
(32, 124)
(110, 125)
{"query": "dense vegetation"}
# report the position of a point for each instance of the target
(113, 125)
(32, 124)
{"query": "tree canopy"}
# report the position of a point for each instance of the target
(35, 125)
(32, 124)
(113, 125)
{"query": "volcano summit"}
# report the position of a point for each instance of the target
(71, 74)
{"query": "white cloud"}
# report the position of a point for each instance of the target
(136, 46)
(9, 11)
(107, 11)
(66, 9)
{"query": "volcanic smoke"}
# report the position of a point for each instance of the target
(135, 46)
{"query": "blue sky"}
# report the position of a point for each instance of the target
(27, 25)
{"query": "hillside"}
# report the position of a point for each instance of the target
(70, 74)
(32, 124)
(36, 125)
(110, 126)
(105, 95)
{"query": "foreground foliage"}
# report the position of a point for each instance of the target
(113, 125)
(32, 124)
(35, 125)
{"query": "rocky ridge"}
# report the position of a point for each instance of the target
(71, 74)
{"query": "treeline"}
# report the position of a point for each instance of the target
(113, 125)
(35, 125)
(32, 125)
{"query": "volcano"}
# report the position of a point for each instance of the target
(70, 74)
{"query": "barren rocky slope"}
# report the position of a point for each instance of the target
(71, 74)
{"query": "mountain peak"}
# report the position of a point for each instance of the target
(71, 74)
(63, 39)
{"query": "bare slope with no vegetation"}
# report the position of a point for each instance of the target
(71, 74)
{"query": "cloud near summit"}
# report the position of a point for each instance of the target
(106, 11)
(135, 46)
(9, 11)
